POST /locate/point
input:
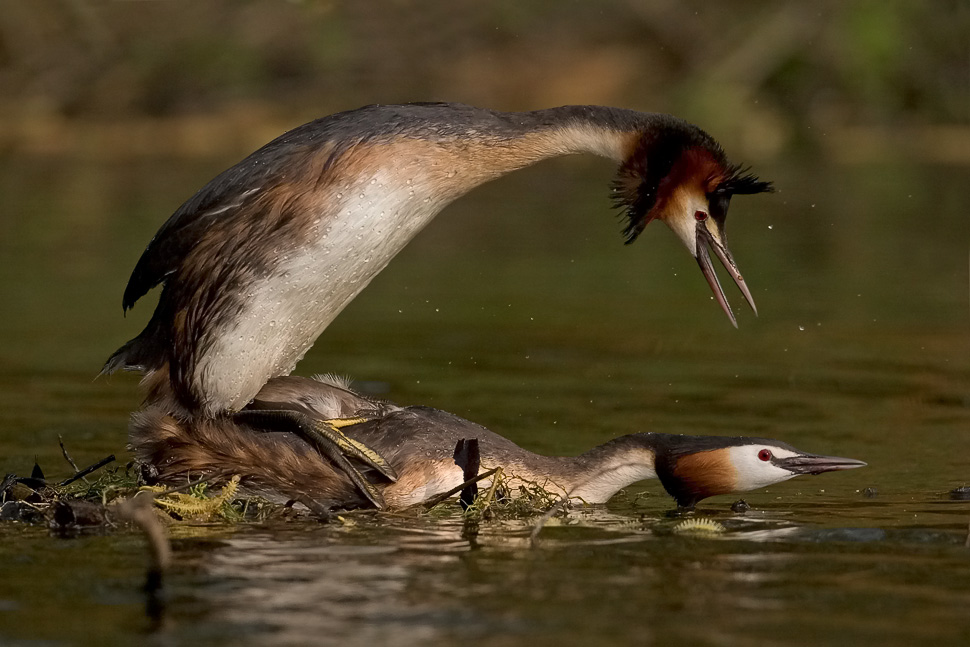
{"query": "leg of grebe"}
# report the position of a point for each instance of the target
(328, 440)
(354, 448)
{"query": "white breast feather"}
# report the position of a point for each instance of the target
(287, 311)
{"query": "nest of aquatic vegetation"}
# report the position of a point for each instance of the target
(94, 502)
(94, 497)
(508, 497)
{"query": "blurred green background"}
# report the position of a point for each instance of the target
(853, 81)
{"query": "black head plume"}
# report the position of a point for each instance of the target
(637, 186)
(635, 204)
(740, 181)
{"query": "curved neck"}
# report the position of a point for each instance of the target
(331, 203)
(459, 147)
(452, 148)
(612, 466)
(368, 195)
(603, 131)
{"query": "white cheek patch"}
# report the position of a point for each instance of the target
(685, 232)
(679, 216)
(780, 452)
(754, 473)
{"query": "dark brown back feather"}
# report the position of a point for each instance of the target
(270, 463)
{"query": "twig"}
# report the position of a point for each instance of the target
(490, 495)
(547, 515)
(67, 457)
(435, 500)
(138, 510)
(87, 470)
(5, 484)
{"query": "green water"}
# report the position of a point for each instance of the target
(520, 308)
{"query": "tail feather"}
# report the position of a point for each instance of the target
(121, 359)
(144, 353)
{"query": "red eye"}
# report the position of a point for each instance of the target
(700, 216)
(765, 454)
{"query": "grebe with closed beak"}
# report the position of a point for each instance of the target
(419, 443)
(257, 263)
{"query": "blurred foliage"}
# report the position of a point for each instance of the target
(768, 76)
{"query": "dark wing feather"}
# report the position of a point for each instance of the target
(227, 193)
(218, 199)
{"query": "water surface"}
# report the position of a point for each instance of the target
(519, 308)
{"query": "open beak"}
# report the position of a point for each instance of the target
(812, 464)
(705, 241)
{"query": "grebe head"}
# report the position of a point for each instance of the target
(681, 176)
(692, 468)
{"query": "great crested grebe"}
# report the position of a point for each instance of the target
(419, 443)
(259, 261)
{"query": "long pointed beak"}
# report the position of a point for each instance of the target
(704, 241)
(812, 464)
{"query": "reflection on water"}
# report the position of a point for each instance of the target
(521, 309)
(290, 587)
(597, 577)
(298, 589)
